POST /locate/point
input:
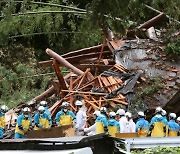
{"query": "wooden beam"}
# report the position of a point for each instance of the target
(59, 76)
(64, 62)
(82, 92)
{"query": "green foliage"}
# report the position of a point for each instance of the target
(173, 48)
(158, 150)
(155, 85)
(20, 85)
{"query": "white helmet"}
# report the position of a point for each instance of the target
(78, 103)
(41, 108)
(112, 114)
(65, 104)
(172, 115)
(163, 112)
(128, 114)
(120, 112)
(141, 114)
(158, 109)
(178, 119)
(97, 113)
(26, 111)
(103, 109)
(4, 108)
(43, 103)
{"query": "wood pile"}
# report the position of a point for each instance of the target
(95, 91)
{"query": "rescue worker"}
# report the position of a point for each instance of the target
(120, 114)
(130, 126)
(80, 118)
(24, 124)
(163, 113)
(178, 120)
(44, 104)
(41, 119)
(142, 125)
(101, 121)
(173, 127)
(64, 116)
(3, 110)
(113, 125)
(92, 129)
(158, 125)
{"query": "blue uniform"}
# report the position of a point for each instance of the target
(142, 127)
(22, 126)
(101, 123)
(159, 123)
(63, 118)
(113, 122)
(47, 111)
(2, 124)
(43, 121)
(173, 128)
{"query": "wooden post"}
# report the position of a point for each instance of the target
(59, 75)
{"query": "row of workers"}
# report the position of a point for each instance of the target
(121, 122)
(117, 122)
(42, 119)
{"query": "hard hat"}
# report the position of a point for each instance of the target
(65, 104)
(78, 103)
(26, 111)
(120, 112)
(97, 113)
(41, 108)
(158, 109)
(43, 103)
(178, 119)
(141, 114)
(128, 114)
(4, 108)
(163, 112)
(103, 109)
(172, 115)
(112, 114)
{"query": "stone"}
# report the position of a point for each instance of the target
(171, 74)
(171, 84)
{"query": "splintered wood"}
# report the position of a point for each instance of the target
(93, 91)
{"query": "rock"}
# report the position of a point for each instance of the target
(178, 81)
(171, 74)
(171, 84)
(175, 70)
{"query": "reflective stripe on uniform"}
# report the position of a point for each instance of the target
(99, 127)
(25, 125)
(2, 122)
(65, 120)
(113, 130)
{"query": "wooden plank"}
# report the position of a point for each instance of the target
(114, 45)
(53, 132)
(126, 135)
(93, 105)
(119, 68)
(85, 92)
(85, 50)
(100, 83)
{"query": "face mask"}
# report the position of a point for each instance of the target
(26, 116)
(65, 110)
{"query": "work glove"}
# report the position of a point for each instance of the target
(151, 128)
(85, 130)
(30, 128)
(21, 127)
